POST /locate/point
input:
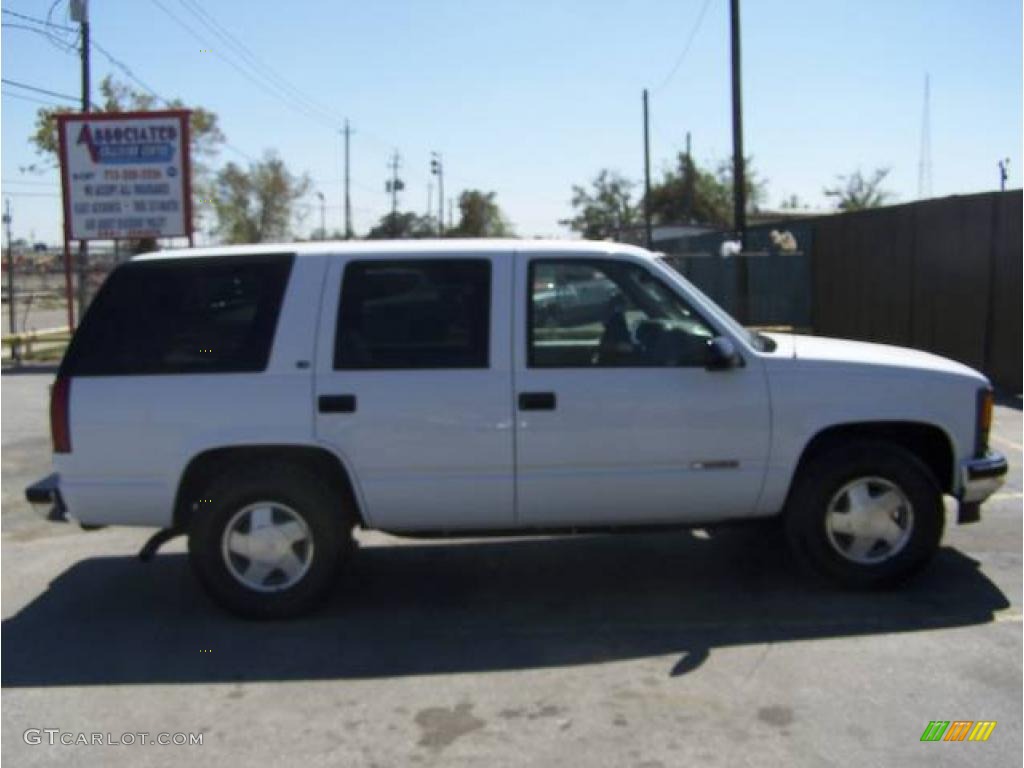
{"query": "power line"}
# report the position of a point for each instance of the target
(264, 86)
(124, 68)
(92, 42)
(22, 97)
(156, 96)
(65, 47)
(43, 22)
(46, 29)
(257, 71)
(267, 76)
(109, 56)
(254, 61)
(16, 84)
(686, 48)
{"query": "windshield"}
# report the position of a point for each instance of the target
(756, 339)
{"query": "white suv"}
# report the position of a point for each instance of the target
(266, 400)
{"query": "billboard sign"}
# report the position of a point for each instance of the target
(125, 175)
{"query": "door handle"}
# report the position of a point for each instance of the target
(536, 401)
(337, 403)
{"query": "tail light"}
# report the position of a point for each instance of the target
(60, 426)
(985, 398)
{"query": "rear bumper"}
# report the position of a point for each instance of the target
(980, 478)
(44, 496)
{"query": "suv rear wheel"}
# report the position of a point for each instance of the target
(266, 541)
(866, 514)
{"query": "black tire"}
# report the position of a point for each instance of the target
(302, 492)
(826, 475)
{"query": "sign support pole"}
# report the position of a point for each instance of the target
(83, 245)
(68, 291)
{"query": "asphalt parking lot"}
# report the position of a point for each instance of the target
(644, 650)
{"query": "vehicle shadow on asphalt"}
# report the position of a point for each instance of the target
(451, 607)
(32, 369)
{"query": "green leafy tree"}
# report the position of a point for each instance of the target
(402, 226)
(256, 204)
(690, 194)
(606, 210)
(857, 192)
(480, 216)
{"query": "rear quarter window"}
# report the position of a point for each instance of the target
(414, 314)
(200, 315)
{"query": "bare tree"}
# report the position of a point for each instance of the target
(856, 193)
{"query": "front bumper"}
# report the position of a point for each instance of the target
(45, 498)
(980, 478)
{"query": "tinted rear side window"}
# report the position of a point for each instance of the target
(210, 315)
(414, 314)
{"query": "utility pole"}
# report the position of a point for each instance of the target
(739, 182)
(437, 169)
(688, 181)
(393, 186)
(323, 215)
(15, 353)
(451, 207)
(647, 177)
(1004, 173)
(348, 200)
(739, 191)
(80, 13)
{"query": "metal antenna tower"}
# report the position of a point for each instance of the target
(924, 167)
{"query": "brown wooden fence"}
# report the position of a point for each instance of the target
(942, 275)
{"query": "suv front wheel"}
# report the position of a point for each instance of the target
(866, 514)
(266, 541)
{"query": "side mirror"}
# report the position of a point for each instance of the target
(721, 354)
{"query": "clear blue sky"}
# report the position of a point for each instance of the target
(527, 98)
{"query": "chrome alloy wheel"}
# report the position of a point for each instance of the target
(267, 546)
(869, 520)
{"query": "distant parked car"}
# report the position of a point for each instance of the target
(266, 400)
(40, 248)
